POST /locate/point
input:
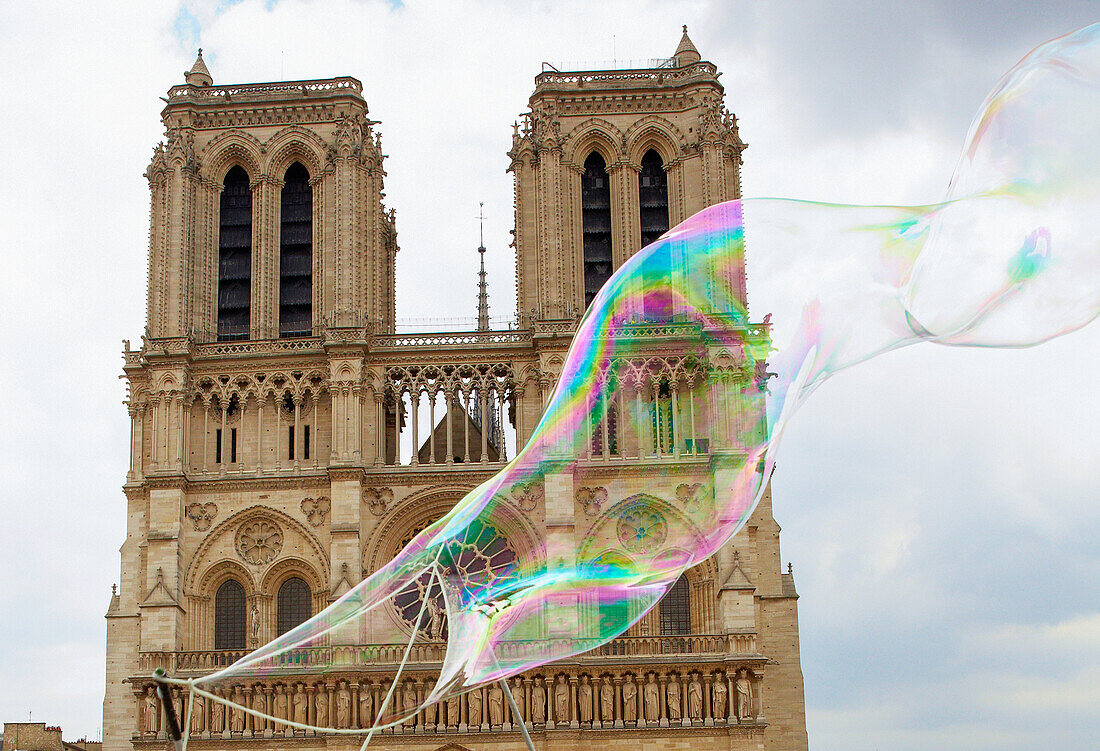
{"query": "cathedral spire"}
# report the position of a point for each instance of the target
(685, 53)
(199, 75)
(482, 285)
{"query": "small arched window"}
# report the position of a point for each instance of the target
(296, 254)
(294, 604)
(675, 610)
(235, 256)
(229, 616)
(596, 225)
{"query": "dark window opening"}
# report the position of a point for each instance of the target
(296, 254)
(653, 215)
(232, 445)
(305, 441)
(294, 604)
(675, 610)
(229, 616)
(235, 257)
(290, 443)
(595, 225)
(218, 446)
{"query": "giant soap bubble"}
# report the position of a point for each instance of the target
(1008, 259)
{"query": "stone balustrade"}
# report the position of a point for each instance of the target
(688, 694)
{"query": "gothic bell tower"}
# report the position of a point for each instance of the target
(267, 219)
(606, 161)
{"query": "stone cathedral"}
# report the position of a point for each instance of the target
(287, 440)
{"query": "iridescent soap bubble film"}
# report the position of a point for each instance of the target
(1009, 258)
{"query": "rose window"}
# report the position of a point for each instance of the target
(259, 541)
(641, 529)
(482, 559)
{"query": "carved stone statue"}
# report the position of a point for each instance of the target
(151, 712)
(672, 691)
(236, 714)
(453, 712)
(217, 717)
(607, 701)
(584, 695)
(436, 618)
(281, 706)
(538, 702)
(651, 696)
(630, 700)
(496, 705)
(473, 705)
(300, 706)
(561, 701)
(366, 702)
(343, 706)
(695, 698)
(744, 696)
(429, 714)
(255, 621)
(718, 697)
(409, 705)
(320, 708)
(259, 724)
(198, 714)
(517, 695)
(177, 704)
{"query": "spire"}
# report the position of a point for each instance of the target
(199, 75)
(685, 53)
(482, 286)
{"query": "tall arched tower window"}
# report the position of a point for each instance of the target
(296, 254)
(229, 618)
(675, 610)
(596, 225)
(294, 604)
(653, 197)
(653, 214)
(235, 256)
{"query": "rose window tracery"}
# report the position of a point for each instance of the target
(481, 559)
(259, 541)
(641, 529)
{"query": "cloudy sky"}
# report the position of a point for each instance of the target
(939, 506)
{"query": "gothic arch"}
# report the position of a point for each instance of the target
(295, 144)
(199, 565)
(217, 573)
(232, 148)
(287, 568)
(596, 135)
(653, 132)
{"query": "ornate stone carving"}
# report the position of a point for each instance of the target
(201, 515)
(259, 541)
(527, 495)
(316, 510)
(592, 499)
(688, 493)
(630, 700)
(377, 499)
(642, 529)
(743, 692)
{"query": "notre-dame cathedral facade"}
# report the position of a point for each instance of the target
(287, 440)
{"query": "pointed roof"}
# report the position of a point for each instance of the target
(199, 75)
(686, 54)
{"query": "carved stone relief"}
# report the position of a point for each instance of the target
(642, 529)
(201, 515)
(527, 495)
(592, 499)
(316, 510)
(377, 499)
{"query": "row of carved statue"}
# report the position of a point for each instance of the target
(646, 699)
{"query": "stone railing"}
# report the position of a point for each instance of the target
(432, 653)
(259, 347)
(623, 78)
(444, 339)
(345, 84)
(690, 694)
